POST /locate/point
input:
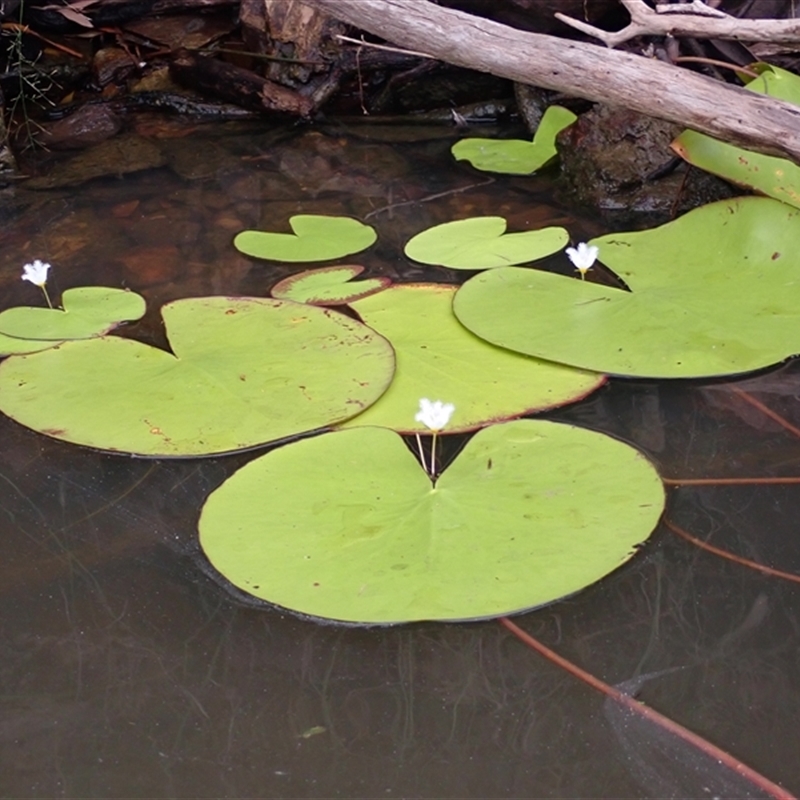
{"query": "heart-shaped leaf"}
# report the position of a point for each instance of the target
(348, 527)
(770, 175)
(245, 371)
(315, 238)
(438, 357)
(482, 243)
(88, 311)
(715, 292)
(516, 156)
(328, 286)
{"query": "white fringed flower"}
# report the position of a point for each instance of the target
(583, 257)
(36, 273)
(434, 415)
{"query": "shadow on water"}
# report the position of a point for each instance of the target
(127, 671)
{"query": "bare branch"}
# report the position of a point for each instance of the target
(694, 19)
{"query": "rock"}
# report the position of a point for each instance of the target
(111, 64)
(89, 125)
(114, 157)
(617, 160)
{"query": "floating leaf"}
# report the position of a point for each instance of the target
(245, 371)
(88, 311)
(9, 345)
(347, 526)
(770, 175)
(716, 292)
(328, 286)
(516, 156)
(482, 243)
(438, 357)
(314, 238)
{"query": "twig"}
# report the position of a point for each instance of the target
(715, 62)
(386, 47)
(665, 723)
(696, 20)
(427, 199)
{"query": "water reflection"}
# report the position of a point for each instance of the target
(127, 670)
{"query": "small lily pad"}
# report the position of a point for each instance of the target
(438, 357)
(770, 175)
(715, 292)
(328, 286)
(482, 243)
(88, 311)
(346, 526)
(517, 156)
(315, 238)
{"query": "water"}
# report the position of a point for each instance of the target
(128, 670)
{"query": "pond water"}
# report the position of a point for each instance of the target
(127, 668)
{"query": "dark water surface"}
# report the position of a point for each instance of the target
(127, 670)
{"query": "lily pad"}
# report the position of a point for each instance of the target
(438, 357)
(328, 286)
(245, 371)
(315, 237)
(716, 292)
(770, 175)
(88, 311)
(482, 243)
(516, 156)
(346, 526)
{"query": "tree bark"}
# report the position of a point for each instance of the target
(587, 70)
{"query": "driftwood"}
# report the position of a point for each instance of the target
(696, 20)
(586, 70)
(236, 85)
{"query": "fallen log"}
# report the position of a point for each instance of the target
(586, 70)
(236, 85)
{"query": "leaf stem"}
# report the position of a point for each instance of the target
(421, 454)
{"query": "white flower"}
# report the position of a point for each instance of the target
(583, 256)
(36, 273)
(434, 415)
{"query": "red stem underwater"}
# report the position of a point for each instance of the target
(711, 750)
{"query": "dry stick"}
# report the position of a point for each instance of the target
(766, 410)
(427, 198)
(651, 87)
(706, 747)
(700, 22)
(746, 562)
(715, 62)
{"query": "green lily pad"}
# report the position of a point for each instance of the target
(88, 311)
(770, 175)
(482, 243)
(516, 156)
(246, 371)
(10, 345)
(716, 292)
(328, 286)
(346, 526)
(438, 357)
(315, 238)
